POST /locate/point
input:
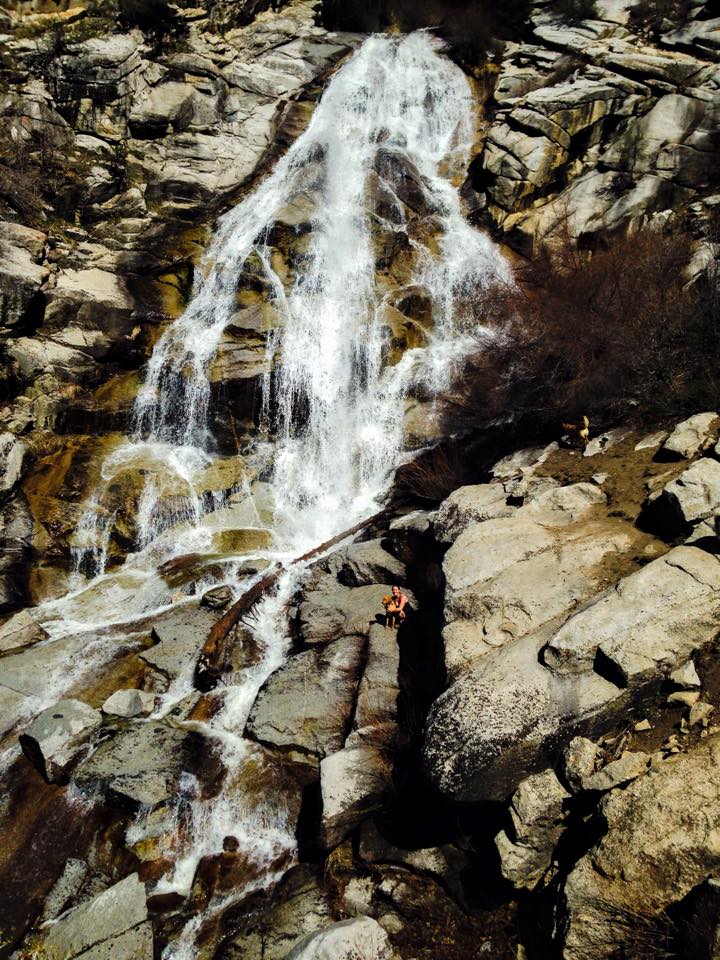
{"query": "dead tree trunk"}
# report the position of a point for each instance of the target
(207, 670)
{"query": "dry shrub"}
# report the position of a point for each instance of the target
(616, 334)
(469, 28)
(433, 474)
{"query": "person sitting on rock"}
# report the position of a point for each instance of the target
(394, 607)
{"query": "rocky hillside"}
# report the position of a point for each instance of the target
(529, 766)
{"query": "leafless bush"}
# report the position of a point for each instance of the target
(469, 28)
(614, 334)
(433, 475)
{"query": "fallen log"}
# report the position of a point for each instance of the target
(208, 670)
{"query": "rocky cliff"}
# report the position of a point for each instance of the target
(529, 766)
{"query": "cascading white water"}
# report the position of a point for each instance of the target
(396, 97)
(393, 97)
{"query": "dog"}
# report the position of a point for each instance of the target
(582, 433)
(392, 612)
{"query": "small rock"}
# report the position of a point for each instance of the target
(700, 712)
(217, 598)
(56, 737)
(629, 766)
(652, 440)
(690, 436)
(642, 726)
(686, 676)
(686, 697)
(391, 923)
(129, 703)
(599, 478)
(579, 761)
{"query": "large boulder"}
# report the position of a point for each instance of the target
(306, 705)
(660, 842)
(692, 497)
(691, 436)
(537, 814)
(57, 737)
(379, 689)
(507, 716)
(112, 924)
(138, 767)
(652, 621)
(352, 784)
(359, 939)
(365, 564)
(329, 610)
(507, 577)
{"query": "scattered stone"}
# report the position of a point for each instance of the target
(690, 436)
(56, 738)
(129, 703)
(686, 677)
(361, 938)
(685, 697)
(599, 478)
(217, 598)
(537, 818)
(651, 440)
(629, 766)
(642, 726)
(700, 713)
(579, 761)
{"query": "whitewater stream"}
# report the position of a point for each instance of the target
(328, 356)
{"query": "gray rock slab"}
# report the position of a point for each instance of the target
(468, 505)
(108, 915)
(651, 621)
(365, 564)
(379, 689)
(307, 703)
(135, 944)
(330, 610)
(55, 739)
(139, 766)
(180, 634)
(352, 784)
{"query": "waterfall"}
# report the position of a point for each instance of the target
(333, 399)
(394, 98)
